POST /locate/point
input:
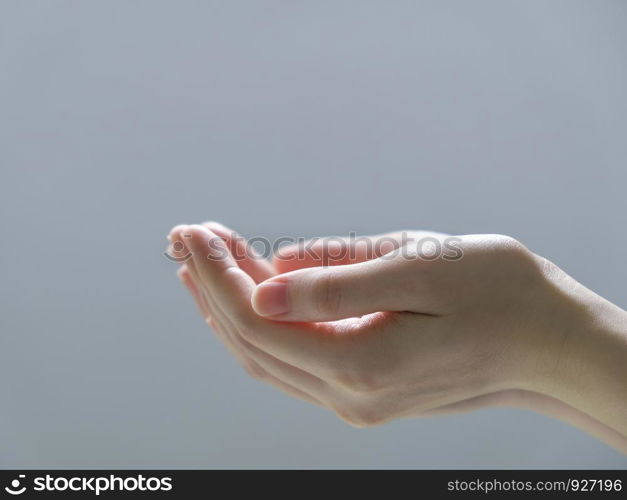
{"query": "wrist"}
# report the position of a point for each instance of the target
(584, 359)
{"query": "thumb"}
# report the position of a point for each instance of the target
(336, 292)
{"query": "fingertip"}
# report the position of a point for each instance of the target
(176, 231)
(176, 249)
(197, 236)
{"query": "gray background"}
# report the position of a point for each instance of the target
(119, 119)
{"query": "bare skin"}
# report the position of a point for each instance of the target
(392, 335)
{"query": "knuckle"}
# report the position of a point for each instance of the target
(510, 250)
(327, 294)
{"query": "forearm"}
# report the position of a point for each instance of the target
(588, 368)
(593, 378)
(552, 407)
(539, 403)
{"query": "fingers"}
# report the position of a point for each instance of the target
(257, 363)
(337, 251)
(314, 348)
(201, 303)
(334, 251)
(322, 294)
(246, 257)
(292, 375)
(176, 251)
(254, 368)
(217, 269)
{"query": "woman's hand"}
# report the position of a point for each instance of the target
(393, 332)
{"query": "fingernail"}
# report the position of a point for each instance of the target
(270, 299)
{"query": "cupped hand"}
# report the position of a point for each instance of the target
(378, 339)
(392, 326)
